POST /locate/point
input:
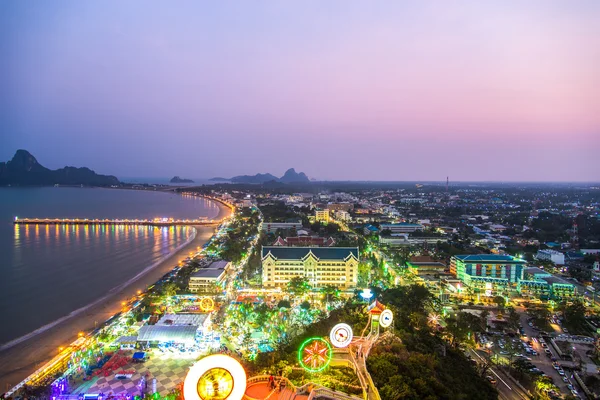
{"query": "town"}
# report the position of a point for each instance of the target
(335, 292)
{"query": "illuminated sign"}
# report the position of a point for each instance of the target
(216, 377)
(340, 335)
(386, 318)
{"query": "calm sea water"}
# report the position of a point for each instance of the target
(48, 271)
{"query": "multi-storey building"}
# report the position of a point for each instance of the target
(490, 272)
(340, 206)
(209, 278)
(322, 266)
(543, 284)
(322, 215)
(305, 241)
(402, 227)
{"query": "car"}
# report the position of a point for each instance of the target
(535, 353)
(561, 372)
(574, 393)
(547, 351)
(570, 387)
(565, 330)
(491, 379)
(565, 379)
(556, 367)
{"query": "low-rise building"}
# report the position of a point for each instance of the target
(426, 267)
(551, 255)
(321, 266)
(272, 227)
(370, 230)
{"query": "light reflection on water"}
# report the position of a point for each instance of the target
(48, 271)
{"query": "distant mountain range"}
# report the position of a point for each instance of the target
(24, 170)
(290, 176)
(177, 179)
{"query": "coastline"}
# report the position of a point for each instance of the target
(21, 359)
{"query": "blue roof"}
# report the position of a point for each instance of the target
(402, 224)
(372, 228)
(299, 253)
(489, 258)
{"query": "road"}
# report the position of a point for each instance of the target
(507, 390)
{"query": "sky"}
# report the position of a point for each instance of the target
(342, 90)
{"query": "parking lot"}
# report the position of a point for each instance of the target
(538, 355)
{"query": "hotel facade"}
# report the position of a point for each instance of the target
(321, 266)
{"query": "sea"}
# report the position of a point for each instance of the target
(48, 271)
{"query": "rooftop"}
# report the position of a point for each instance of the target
(221, 264)
(298, 253)
(489, 258)
(208, 273)
(536, 271)
(166, 333)
(182, 319)
(556, 280)
(401, 224)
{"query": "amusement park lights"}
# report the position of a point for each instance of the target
(386, 318)
(314, 355)
(216, 377)
(434, 319)
(207, 304)
(366, 294)
(340, 335)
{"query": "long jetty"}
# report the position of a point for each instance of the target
(89, 221)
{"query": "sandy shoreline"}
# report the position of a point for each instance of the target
(22, 359)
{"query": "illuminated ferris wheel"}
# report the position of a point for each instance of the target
(314, 355)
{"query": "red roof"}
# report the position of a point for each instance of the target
(376, 308)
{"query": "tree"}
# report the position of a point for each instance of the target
(330, 293)
(575, 316)
(298, 286)
(332, 228)
(500, 302)
(305, 305)
(284, 304)
(169, 289)
(459, 326)
(513, 318)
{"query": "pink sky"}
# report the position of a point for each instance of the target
(498, 90)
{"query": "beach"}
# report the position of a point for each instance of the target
(23, 358)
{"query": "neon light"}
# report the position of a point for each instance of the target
(341, 335)
(225, 372)
(314, 355)
(207, 304)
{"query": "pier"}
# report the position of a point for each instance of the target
(90, 221)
